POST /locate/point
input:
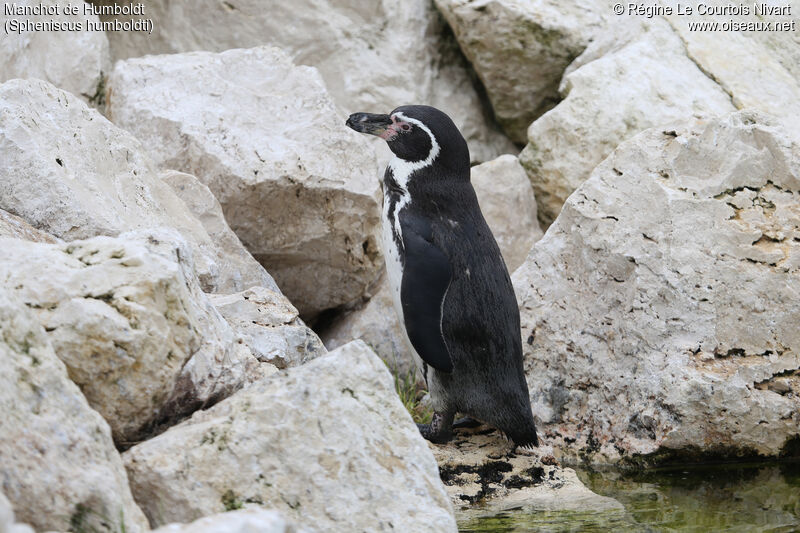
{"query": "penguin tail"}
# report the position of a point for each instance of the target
(521, 426)
(524, 435)
(527, 439)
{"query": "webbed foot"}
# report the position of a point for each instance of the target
(440, 430)
(466, 422)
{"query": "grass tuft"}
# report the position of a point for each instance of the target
(411, 393)
(230, 501)
(87, 520)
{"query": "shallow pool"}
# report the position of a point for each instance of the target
(740, 497)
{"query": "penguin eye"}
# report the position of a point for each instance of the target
(405, 127)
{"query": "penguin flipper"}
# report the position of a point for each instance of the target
(426, 277)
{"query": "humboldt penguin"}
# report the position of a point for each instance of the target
(450, 285)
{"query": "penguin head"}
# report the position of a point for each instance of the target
(416, 134)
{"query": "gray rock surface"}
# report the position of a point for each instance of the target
(242, 521)
(296, 186)
(758, 69)
(234, 257)
(129, 320)
(373, 56)
(75, 61)
(70, 172)
(328, 444)
(660, 310)
(520, 49)
(270, 326)
(58, 465)
(636, 77)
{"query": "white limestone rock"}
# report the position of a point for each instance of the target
(635, 78)
(234, 257)
(70, 172)
(328, 444)
(296, 185)
(520, 49)
(58, 464)
(509, 206)
(659, 309)
(758, 69)
(373, 56)
(16, 228)
(75, 61)
(128, 318)
(243, 521)
(270, 326)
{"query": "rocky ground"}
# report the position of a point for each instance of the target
(485, 474)
(195, 330)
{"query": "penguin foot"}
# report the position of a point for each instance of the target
(440, 430)
(529, 450)
(466, 422)
(439, 437)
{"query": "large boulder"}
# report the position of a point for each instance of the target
(128, 318)
(636, 77)
(509, 206)
(233, 257)
(660, 309)
(373, 56)
(72, 58)
(58, 465)
(296, 185)
(328, 444)
(70, 172)
(242, 521)
(520, 50)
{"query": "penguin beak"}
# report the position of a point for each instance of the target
(369, 123)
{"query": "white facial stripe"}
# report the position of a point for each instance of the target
(435, 148)
(402, 169)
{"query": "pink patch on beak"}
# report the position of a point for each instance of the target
(393, 130)
(389, 134)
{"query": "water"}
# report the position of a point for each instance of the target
(731, 498)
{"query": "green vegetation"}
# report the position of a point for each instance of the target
(411, 393)
(87, 520)
(231, 501)
(98, 99)
(216, 436)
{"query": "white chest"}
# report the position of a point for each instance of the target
(391, 253)
(394, 272)
(394, 202)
